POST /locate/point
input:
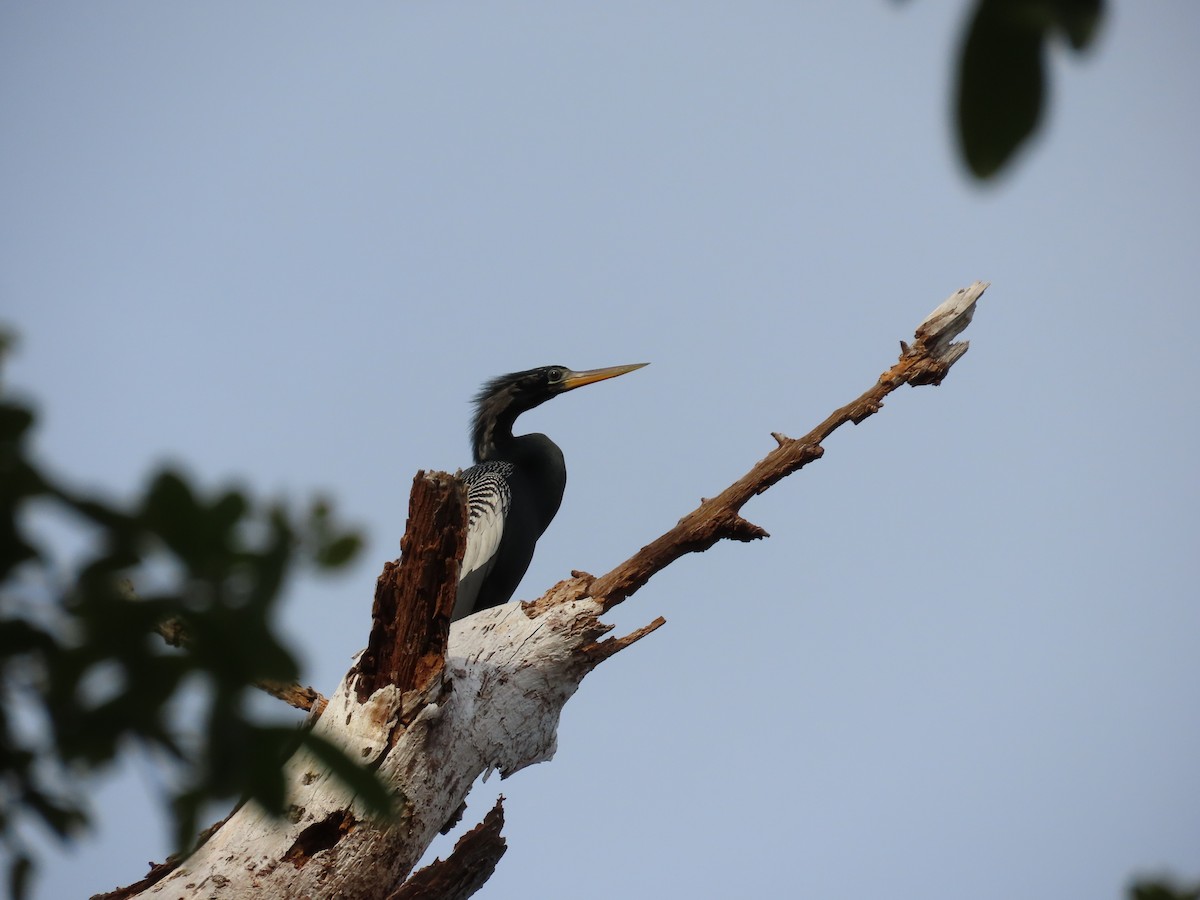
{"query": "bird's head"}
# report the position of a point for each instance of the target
(502, 399)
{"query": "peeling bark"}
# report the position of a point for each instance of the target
(410, 621)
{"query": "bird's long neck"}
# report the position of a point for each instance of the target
(492, 429)
(491, 436)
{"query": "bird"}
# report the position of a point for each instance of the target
(516, 485)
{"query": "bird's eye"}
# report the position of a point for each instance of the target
(555, 375)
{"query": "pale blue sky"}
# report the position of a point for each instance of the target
(285, 242)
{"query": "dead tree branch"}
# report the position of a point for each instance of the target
(432, 708)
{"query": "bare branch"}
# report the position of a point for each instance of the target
(293, 694)
(925, 362)
(602, 650)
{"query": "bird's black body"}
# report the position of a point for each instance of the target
(516, 485)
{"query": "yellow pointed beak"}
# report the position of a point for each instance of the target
(579, 379)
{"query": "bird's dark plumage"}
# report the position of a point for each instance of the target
(516, 485)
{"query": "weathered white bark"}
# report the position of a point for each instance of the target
(508, 676)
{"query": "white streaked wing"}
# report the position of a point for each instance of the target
(488, 501)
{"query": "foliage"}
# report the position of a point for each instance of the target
(1163, 889)
(84, 672)
(1001, 75)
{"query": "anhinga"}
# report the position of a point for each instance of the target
(516, 485)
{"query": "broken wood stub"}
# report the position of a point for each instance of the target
(465, 870)
(414, 597)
